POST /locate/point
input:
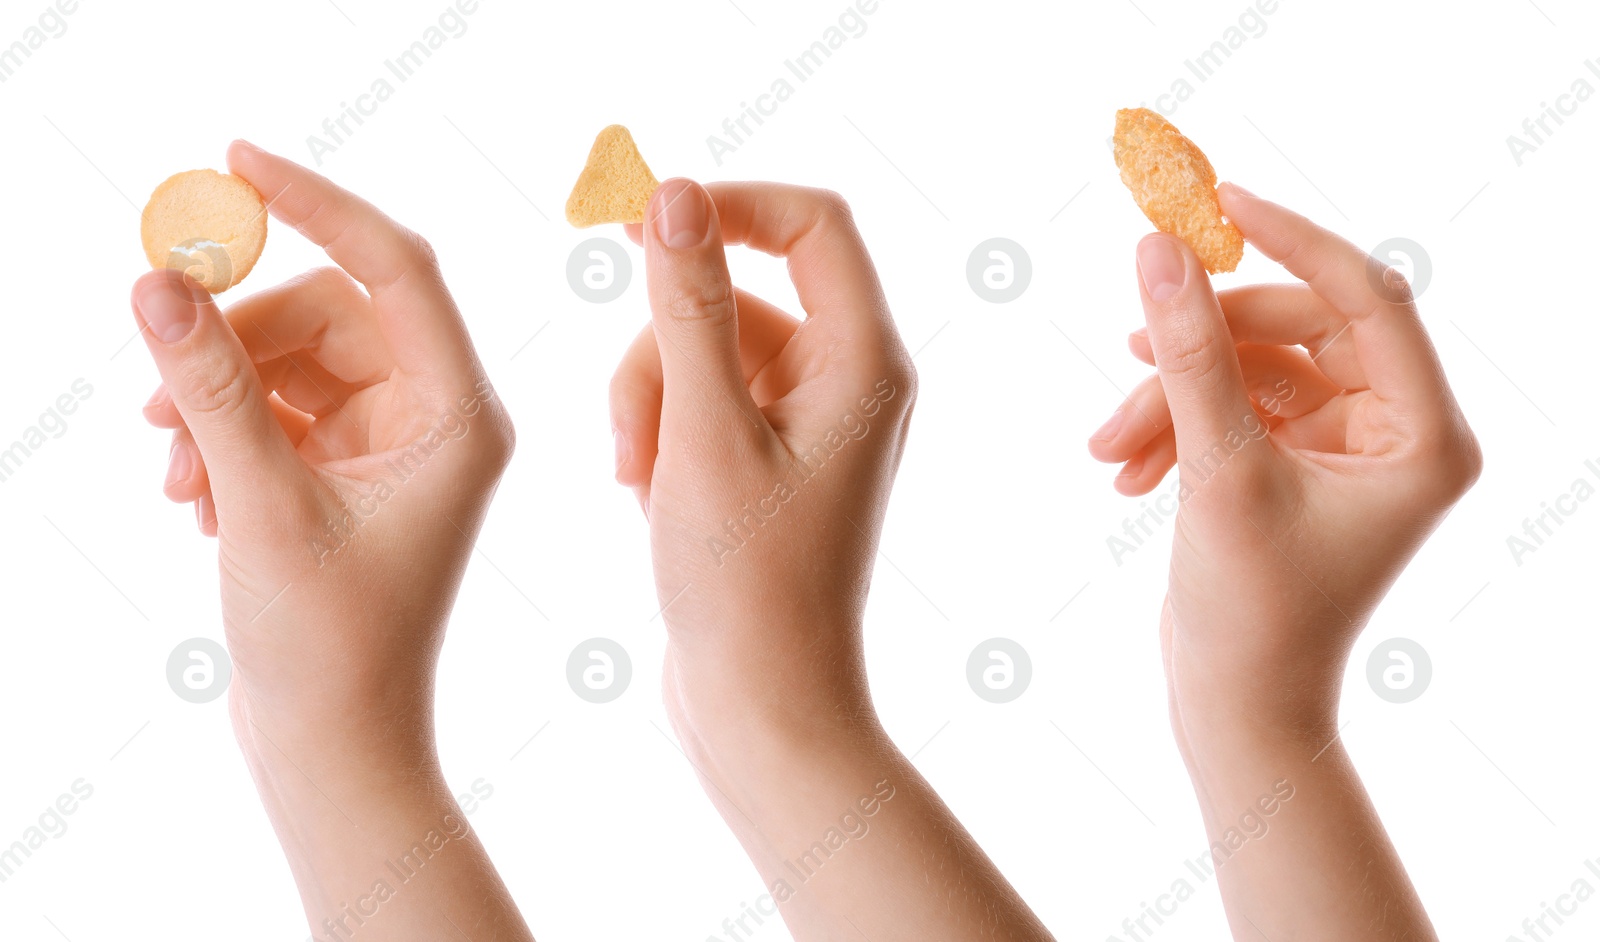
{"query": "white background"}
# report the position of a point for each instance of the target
(944, 129)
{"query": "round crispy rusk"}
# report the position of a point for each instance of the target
(211, 225)
(1173, 182)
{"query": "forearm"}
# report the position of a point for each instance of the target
(1298, 847)
(378, 846)
(849, 839)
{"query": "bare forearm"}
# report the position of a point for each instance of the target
(379, 847)
(1299, 850)
(849, 839)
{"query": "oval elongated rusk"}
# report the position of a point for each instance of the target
(1173, 182)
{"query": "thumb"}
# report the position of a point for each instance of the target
(693, 308)
(1212, 414)
(215, 387)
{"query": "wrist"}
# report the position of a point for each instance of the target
(739, 727)
(1260, 699)
(1240, 726)
(798, 679)
(381, 753)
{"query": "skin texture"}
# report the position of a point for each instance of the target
(292, 413)
(763, 588)
(1284, 546)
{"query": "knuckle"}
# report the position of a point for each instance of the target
(320, 209)
(483, 423)
(707, 299)
(1453, 463)
(834, 209)
(501, 439)
(910, 381)
(216, 389)
(1465, 462)
(321, 275)
(330, 278)
(421, 251)
(901, 375)
(325, 284)
(1389, 283)
(833, 203)
(1190, 353)
(887, 381)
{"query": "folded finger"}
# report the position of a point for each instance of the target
(1141, 417)
(1325, 430)
(1291, 315)
(323, 314)
(161, 411)
(186, 471)
(636, 386)
(1145, 469)
(1281, 382)
(303, 382)
(186, 468)
(1294, 315)
(205, 514)
(1284, 382)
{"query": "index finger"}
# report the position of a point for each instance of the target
(828, 261)
(814, 230)
(1392, 346)
(396, 266)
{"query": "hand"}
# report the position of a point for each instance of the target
(1318, 444)
(343, 445)
(763, 450)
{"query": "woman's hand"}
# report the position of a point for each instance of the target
(1317, 444)
(339, 437)
(763, 450)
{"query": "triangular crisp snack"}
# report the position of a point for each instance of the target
(615, 185)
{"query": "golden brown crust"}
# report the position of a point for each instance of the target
(209, 224)
(1173, 182)
(615, 185)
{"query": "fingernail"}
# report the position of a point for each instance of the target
(156, 398)
(180, 464)
(170, 305)
(1161, 266)
(623, 451)
(1132, 468)
(682, 220)
(1240, 189)
(1109, 430)
(247, 145)
(1142, 333)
